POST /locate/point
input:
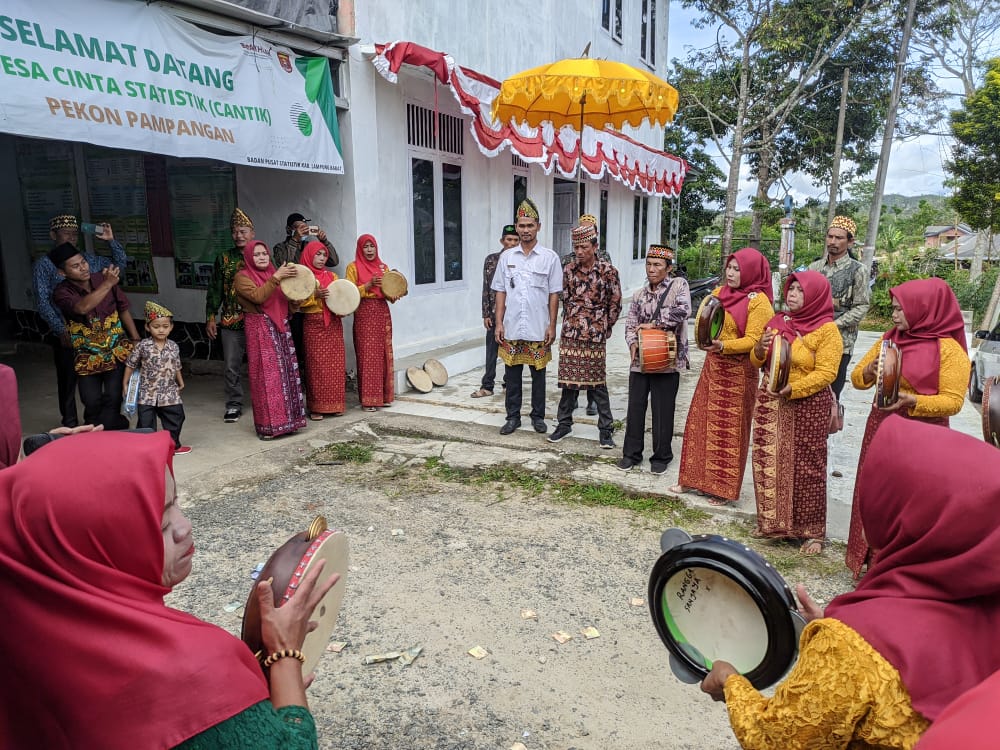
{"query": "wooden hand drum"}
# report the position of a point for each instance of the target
(299, 288)
(343, 297)
(890, 365)
(657, 350)
(779, 363)
(708, 322)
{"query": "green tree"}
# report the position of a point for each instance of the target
(703, 191)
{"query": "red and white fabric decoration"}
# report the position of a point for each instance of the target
(639, 167)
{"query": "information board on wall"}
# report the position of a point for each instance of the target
(202, 200)
(48, 188)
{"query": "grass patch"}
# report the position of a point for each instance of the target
(511, 476)
(440, 469)
(359, 453)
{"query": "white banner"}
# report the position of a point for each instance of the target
(126, 74)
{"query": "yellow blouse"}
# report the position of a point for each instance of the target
(352, 274)
(840, 694)
(315, 304)
(952, 381)
(815, 360)
(759, 312)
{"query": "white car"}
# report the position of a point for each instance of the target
(985, 362)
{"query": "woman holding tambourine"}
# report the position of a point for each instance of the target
(717, 433)
(791, 421)
(929, 332)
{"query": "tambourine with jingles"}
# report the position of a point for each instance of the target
(394, 284)
(343, 297)
(708, 322)
(287, 567)
(300, 287)
(890, 365)
(657, 350)
(713, 599)
(991, 411)
(779, 363)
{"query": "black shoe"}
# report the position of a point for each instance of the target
(592, 409)
(559, 433)
(539, 426)
(232, 415)
(509, 426)
(606, 442)
(657, 468)
(625, 464)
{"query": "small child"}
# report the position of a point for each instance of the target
(160, 380)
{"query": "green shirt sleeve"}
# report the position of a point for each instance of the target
(260, 727)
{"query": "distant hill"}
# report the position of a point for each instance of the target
(910, 203)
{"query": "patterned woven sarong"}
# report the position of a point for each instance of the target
(275, 390)
(373, 347)
(325, 368)
(533, 353)
(581, 364)
(789, 464)
(717, 433)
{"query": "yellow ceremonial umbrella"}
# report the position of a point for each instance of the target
(583, 91)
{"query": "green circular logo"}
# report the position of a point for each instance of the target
(305, 124)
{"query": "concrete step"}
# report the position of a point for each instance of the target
(457, 358)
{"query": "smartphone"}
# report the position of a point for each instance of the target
(89, 228)
(314, 230)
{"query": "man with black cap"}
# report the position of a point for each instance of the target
(62, 229)
(102, 333)
(298, 232)
(508, 239)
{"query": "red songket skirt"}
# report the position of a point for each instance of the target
(325, 366)
(789, 464)
(275, 389)
(717, 433)
(373, 347)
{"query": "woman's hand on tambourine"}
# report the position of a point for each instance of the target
(808, 607)
(870, 372)
(322, 292)
(714, 684)
(285, 627)
(761, 347)
(716, 347)
(785, 392)
(285, 272)
(904, 401)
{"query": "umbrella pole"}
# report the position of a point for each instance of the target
(579, 158)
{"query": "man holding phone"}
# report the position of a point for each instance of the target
(65, 228)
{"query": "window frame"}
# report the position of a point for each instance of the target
(437, 159)
(640, 228)
(647, 32)
(613, 18)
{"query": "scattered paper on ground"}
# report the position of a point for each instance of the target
(637, 601)
(336, 647)
(529, 614)
(410, 655)
(478, 652)
(377, 658)
(590, 632)
(397, 532)
(233, 606)
(518, 746)
(562, 636)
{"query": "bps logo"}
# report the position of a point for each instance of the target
(286, 61)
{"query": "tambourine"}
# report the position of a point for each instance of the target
(657, 350)
(779, 363)
(419, 379)
(343, 297)
(436, 371)
(299, 288)
(991, 411)
(287, 567)
(890, 365)
(708, 321)
(713, 599)
(394, 284)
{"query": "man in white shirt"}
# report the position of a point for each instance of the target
(528, 282)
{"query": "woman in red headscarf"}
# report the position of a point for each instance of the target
(790, 427)
(883, 661)
(372, 326)
(930, 333)
(94, 659)
(322, 339)
(275, 388)
(717, 433)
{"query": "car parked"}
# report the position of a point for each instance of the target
(985, 362)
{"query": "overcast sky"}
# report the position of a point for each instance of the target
(915, 167)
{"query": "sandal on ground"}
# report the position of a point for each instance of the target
(370, 408)
(816, 545)
(678, 489)
(482, 393)
(720, 502)
(316, 417)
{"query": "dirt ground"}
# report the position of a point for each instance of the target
(448, 562)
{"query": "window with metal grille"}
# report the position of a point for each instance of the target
(448, 137)
(517, 162)
(640, 223)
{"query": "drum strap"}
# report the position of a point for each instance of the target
(662, 299)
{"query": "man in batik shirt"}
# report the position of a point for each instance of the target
(221, 300)
(592, 302)
(663, 303)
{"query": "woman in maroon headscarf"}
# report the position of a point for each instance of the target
(920, 630)
(275, 388)
(94, 659)
(930, 333)
(790, 428)
(322, 340)
(372, 326)
(717, 433)
(10, 422)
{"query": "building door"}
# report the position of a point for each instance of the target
(564, 216)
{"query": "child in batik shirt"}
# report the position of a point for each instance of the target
(158, 360)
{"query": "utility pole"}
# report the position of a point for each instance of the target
(890, 126)
(838, 150)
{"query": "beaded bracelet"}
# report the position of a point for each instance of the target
(294, 653)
